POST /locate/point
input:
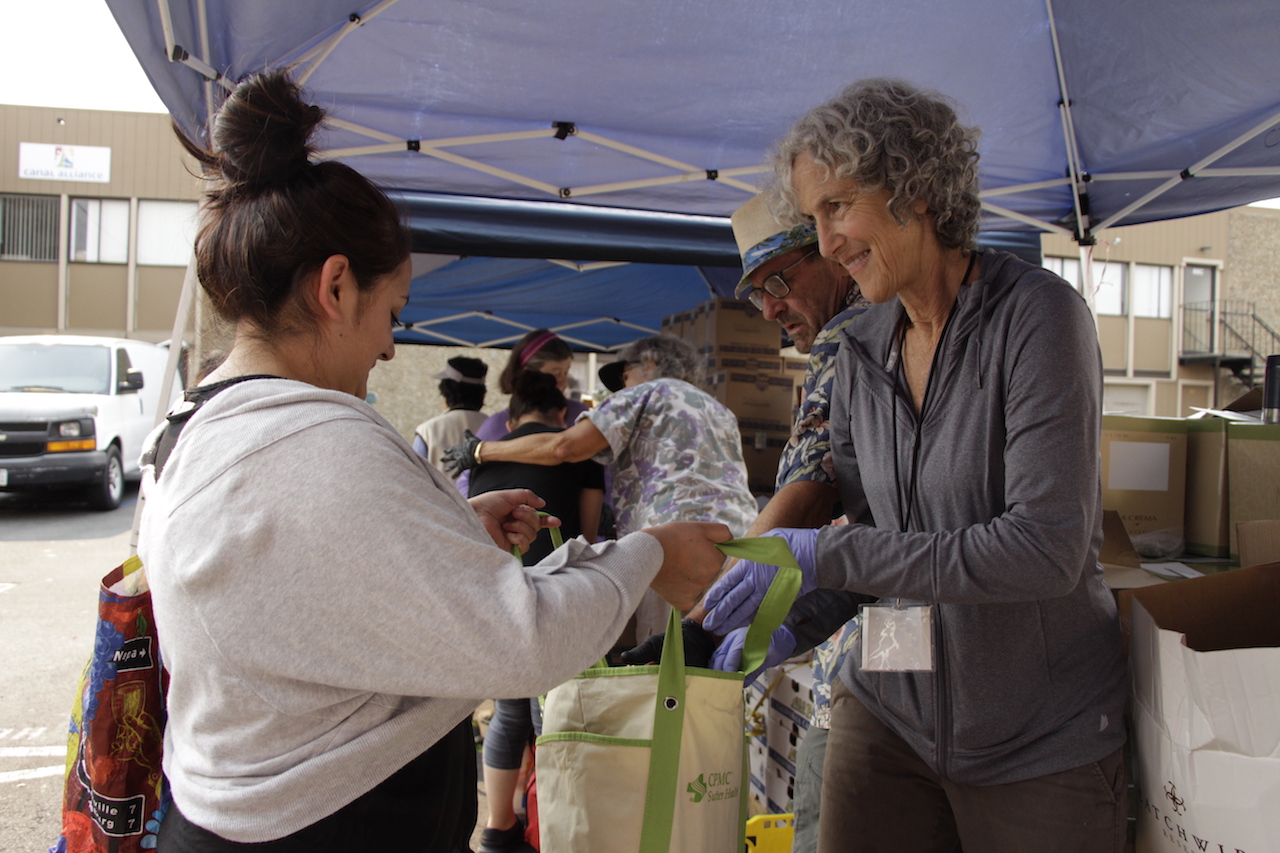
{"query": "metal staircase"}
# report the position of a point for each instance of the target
(1228, 335)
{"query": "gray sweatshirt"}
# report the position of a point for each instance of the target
(329, 606)
(1004, 529)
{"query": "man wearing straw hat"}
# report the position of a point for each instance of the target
(813, 300)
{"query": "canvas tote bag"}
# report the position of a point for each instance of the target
(652, 759)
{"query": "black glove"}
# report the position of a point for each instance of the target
(698, 647)
(461, 457)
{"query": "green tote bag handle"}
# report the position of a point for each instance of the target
(556, 539)
(668, 712)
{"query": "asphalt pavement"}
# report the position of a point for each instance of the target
(53, 553)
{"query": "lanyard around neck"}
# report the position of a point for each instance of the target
(904, 512)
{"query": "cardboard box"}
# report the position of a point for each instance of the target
(721, 360)
(679, 325)
(1144, 475)
(1206, 673)
(761, 450)
(1253, 475)
(1259, 542)
(795, 366)
(734, 326)
(1206, 506)
(760, 400)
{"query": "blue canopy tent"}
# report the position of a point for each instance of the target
(615, 128)
(592, 307)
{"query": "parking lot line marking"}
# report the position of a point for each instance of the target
(36, 773)
(5, 587)
(32, 751)
(28, 733)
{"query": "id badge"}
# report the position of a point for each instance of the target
(897, 638)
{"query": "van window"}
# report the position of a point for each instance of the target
(76, 368)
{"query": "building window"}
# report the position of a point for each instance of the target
(166, 232)
(1152, 291)
(28, 228)
(1108, 282)
(99, 231)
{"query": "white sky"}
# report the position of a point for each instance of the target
(72, 54)
(69, 53)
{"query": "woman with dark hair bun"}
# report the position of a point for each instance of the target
(328, 605)
(541, 351)
(574, 492)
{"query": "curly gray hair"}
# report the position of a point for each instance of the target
(887, 134)
(674, 358)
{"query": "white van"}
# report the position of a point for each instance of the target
(75, 411)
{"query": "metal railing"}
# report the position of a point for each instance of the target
(1241, 334)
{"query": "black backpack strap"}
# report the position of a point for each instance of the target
(192, 400)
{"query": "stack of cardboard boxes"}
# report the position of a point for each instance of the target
(1202, 651)
(1188, 486)
(783, 699)
(747, 373)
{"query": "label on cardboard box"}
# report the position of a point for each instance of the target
(749, 362)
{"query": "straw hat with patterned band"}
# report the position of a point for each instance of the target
(761, 238)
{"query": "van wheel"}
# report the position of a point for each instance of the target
(106, 495)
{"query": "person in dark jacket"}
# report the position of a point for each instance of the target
(983, 705)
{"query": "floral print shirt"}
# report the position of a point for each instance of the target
(807, 456)
(675, 454)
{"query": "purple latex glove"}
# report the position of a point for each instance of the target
(733, 600)
(728, 656)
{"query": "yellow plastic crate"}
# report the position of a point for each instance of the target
(770, 833)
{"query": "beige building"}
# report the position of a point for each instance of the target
(97, 212)
(1183, 306)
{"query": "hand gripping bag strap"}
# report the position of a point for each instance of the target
(773, 551)
(669, 703)
(556, 539)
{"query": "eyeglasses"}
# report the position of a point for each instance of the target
(776, 285)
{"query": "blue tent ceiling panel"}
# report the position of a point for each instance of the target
(494, 301)
(600, 130)
(669, 89)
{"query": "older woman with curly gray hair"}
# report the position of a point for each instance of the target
(673, 451)
(984, 706)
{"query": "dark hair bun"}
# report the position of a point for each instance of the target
(471, 368)
(532, 385)
(261, 136)
(536, 392)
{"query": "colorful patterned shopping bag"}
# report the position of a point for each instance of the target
(115, 793)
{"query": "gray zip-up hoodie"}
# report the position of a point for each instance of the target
(1003, 533)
